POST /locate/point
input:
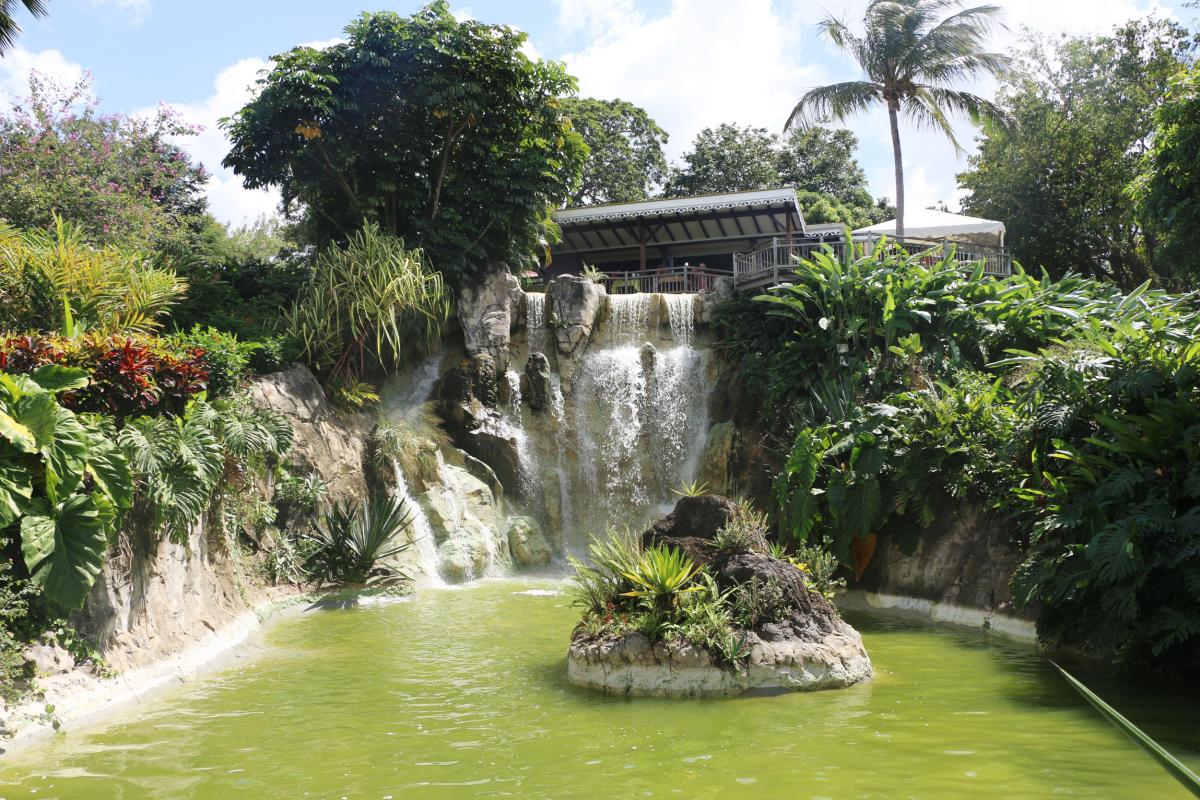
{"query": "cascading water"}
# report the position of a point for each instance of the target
(537, 333)
(634, 422)
(420, 533)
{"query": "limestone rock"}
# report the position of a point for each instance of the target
(573, 306)
(326, 443)
(692, 525)
(464, 518)
(485, 313)
(526, 542)
(49, 657)
(499, 453)
(536, 386)
(717, 458)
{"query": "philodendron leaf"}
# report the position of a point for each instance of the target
(15, 488)
(63, 547)
(19, 435)
(57, 378)
(109, 470)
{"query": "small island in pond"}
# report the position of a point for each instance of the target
(700, 604)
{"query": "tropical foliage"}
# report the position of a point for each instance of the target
(1067, 405)
(63, 482)
(369, 305)
(9, 29)
(354, 542)
(912, 52)
(46, 275)
(625, 151)
(486, 148)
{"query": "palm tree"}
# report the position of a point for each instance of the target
(8, 25)
(911, 56)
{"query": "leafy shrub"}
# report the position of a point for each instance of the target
(223, 357)
(179, 461)
(743, 532)
(352, 540)
(370, 304)
(604, 580)
(1066, 405)
(108, 291)
(757, 601)
(18, 600)
(126, 376)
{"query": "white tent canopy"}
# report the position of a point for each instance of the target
(929, 224)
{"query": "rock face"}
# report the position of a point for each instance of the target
(573, 306)
(535, 383)
(527, 543)
(464, 519)
(718, 458)
(798, 642)
(157, 595)
(486, 313)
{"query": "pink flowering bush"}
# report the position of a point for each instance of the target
(118, 178)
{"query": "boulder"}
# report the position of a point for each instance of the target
(485, 313)
(49, 657)
(573, 306)
(535, 385)
(692, 525)
(526, 542)
(499, 453)
(465, 521)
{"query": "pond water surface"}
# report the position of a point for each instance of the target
(462, 694)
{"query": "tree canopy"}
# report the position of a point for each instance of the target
(439, 131)
(1169, 188)
(818, 163)
(1059, 174)
(625, 151)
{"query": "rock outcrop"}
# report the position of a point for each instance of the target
(527, 543)
(573, 306)
(486, 313)
(536, 386)
(797, 640)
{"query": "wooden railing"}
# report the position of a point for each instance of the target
(773, 263)
(668, 280)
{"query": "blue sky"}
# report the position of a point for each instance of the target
(690, 63)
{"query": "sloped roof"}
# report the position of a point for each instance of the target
(757, 214)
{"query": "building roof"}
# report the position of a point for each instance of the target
(757, 214)
(929, 224)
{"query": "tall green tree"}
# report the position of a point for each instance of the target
(911, 54)
(1168, 190)
(9, 29)
(726, 159)
(625, 151)
(818, 163)
(439, 131)
(1082, 121)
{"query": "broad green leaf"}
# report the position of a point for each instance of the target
(15, 488)
(64, 547)
(19, 435)
(57, 378)
(109, 470)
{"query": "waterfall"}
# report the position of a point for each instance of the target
(635, 420)
(420, 533)
(537, 334)
(681, 314)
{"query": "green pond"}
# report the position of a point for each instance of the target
(462, 693)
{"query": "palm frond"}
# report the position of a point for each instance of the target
(834, 102)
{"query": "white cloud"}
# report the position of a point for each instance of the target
(136, 10)
(19, 62)
(233, 87)
(703, 62)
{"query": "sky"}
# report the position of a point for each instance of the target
(690, 63)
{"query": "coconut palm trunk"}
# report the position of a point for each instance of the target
(894, 120)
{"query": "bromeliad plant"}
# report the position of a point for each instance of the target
(662, 576)
(64, 483)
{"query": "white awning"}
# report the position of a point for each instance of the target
(929, 224)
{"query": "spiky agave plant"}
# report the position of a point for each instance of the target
(353, 540)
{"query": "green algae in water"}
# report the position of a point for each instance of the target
(462, 693)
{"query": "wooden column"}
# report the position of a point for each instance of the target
(642, 245)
